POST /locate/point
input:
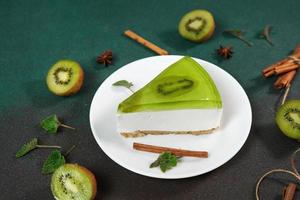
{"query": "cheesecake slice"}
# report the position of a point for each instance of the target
(182, 99)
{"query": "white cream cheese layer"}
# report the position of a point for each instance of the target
(171, 120)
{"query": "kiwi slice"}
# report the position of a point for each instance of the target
(174, 85)
(65, 78)
(288, 118)
(197, 25)
(73, 182)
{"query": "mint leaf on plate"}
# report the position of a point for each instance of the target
(124, 83)
(165, 161)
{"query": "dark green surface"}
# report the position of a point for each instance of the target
(35, 34)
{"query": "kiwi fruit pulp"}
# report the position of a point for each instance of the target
(197, 25)
(73, 182)
(288, 118)
(174, 85)
(65, 78)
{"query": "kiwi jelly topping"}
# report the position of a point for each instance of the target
(182, 85)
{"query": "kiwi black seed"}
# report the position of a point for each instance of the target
(73, 182)
(65, 78)
(197, 25)
(288, 118)
(174, 85)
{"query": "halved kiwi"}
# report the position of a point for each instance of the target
(65, 78)
(288, 118)
(197, 25)
(73, 182)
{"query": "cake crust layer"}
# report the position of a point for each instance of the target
(142, 133)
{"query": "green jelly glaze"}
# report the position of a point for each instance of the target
(182, 85)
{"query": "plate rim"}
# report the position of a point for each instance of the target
(164, 175)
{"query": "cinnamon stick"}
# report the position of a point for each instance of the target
(297, 50)
(174, 151)
(267, 71)
(285, 69)
(145, 42)
(286, 64)
(272, 67)
(289, 191)
(285, 79)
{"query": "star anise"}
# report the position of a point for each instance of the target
(225, 52)
(105, 58)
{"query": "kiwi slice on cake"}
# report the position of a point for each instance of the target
(73, 182)
(197, 25)
(65, 78)
(288, 118)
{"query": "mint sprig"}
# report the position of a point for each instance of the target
(238, 34)
(124, 83)
(54, 161)
(31, 145)
(51, 123)
(165, 161)
(27, 147)
(266, 34)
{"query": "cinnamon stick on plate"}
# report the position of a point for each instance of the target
(174, 151)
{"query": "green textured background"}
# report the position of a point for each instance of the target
(35, 34)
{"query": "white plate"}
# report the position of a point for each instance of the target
(222, 144)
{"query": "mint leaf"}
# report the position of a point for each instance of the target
(54, 161)
(155, 163)
(125, 84)
(266, 34)
(165, 161)
(50, 124)
(32, 144)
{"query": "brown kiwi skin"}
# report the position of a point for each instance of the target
(92, 178)
(75, 88)
(210, 33)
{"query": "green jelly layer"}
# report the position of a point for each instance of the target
(182, 85)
